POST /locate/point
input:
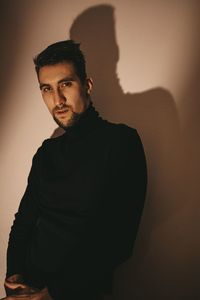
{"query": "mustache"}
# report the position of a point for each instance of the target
(61, 107)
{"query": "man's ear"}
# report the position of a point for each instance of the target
(89, 85)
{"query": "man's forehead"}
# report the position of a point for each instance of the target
(53, 73)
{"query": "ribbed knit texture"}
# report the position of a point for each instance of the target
(81, 209)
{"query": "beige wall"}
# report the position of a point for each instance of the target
(144, 58)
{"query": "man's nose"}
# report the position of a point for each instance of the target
(59, 98)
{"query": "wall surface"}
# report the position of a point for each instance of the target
(144, 59)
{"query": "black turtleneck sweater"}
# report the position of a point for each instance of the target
(83, 202)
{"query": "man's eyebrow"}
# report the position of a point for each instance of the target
(66, 79)
(43, 85)
(60, 81)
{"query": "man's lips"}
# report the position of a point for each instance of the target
(61, 111)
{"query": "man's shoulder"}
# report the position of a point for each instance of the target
(120, 130)
(123, 137)
(50, 142)
(47, 144)
(110, 133)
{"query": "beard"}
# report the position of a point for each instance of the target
(71, 121)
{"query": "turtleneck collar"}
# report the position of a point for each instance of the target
(88, 120)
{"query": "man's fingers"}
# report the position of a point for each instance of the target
(12, 285)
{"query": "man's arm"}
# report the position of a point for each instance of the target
(21, 230)
(126, 194)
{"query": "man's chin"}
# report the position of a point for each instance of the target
(67, 123)
(62, 124)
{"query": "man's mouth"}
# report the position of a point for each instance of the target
(61, 111)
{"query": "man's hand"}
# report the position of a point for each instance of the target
(15, 285)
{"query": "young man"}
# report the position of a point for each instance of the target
(80, 213)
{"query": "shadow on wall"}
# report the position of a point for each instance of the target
(153, 113)
(191, 132)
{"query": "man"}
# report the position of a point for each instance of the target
(80, 213)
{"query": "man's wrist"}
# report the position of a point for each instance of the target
(13, 284)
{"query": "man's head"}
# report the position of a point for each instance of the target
(63, 81)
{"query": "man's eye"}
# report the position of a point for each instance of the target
(66, 84)
(46, 89)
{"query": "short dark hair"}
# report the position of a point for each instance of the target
(63, 51)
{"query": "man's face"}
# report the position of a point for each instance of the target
(64, 94)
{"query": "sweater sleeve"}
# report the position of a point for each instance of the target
(126, 195)
(23, 225)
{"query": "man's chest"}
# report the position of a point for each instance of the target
(74, 176)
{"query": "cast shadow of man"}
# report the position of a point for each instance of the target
(153, 113)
